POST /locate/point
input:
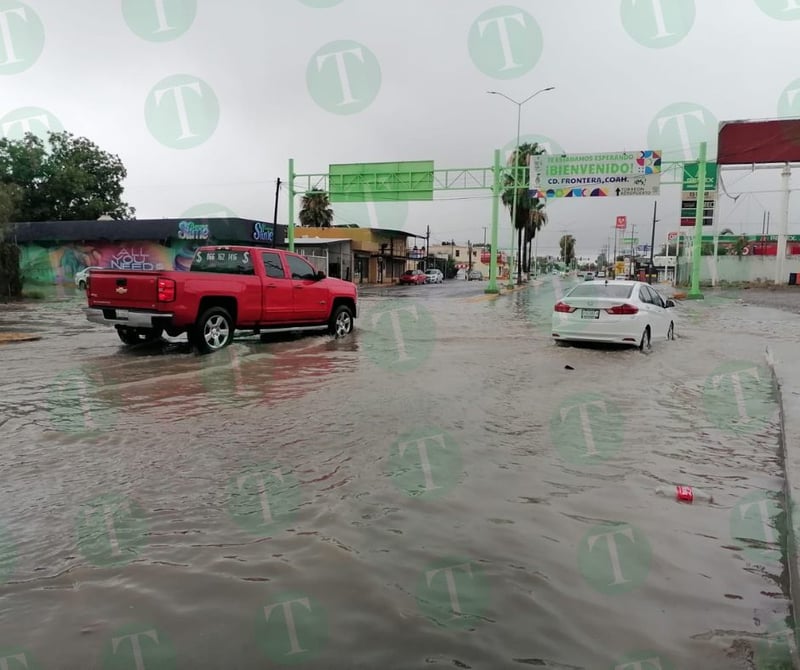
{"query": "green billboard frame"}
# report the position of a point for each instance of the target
(355, 183)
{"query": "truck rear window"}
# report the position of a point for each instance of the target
(223, 261)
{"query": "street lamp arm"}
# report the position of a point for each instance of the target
(549, 88)
(505, 96)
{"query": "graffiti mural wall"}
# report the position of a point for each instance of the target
(57, 264)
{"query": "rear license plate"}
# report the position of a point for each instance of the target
(590, 313)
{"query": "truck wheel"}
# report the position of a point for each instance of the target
(341, 322)
(128, 335)
(131, 336)
(214, 330)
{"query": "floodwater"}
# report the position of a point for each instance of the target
(444, 489)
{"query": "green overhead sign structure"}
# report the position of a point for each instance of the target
(381, 182)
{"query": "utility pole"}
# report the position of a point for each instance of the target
(427, 247)
(484, 237)
(275, 216)
(469, 253)
(652, 245)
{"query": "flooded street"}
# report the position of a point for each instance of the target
(446, 488)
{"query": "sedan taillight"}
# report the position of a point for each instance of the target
(166, 290)
(563, 307)
(623, 309)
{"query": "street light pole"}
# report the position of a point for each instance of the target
(515, 171)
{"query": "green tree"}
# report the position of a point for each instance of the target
(739, 246)
(525, 222)
(567, 246)
(10, 281)
(66, 178)
(538, 219)
(316, 210)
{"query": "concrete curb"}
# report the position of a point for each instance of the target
(788, 392)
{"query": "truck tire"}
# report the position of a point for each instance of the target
(131, 336)
(341, 322)
(213, 330)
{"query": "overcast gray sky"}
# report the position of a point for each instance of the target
(205, 101)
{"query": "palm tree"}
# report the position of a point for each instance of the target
(726, 231)
(525, 204)
(567, 246)
(538, 219)
(316, 210)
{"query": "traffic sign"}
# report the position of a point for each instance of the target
(622, 222)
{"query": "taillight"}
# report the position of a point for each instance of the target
(166, 290)
(623, 309)
(564, 307)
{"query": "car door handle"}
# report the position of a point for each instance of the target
(299, 287)
(272, 286)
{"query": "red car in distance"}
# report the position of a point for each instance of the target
(412, 277)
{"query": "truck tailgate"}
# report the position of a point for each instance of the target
(134, 289)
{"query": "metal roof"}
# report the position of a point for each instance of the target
(320, 240)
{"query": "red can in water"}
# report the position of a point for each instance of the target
(684, 493)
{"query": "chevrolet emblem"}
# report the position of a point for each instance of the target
(121, 290)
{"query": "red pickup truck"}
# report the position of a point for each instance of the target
(227, 288)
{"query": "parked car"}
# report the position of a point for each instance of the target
(413, 277)
(475, 274)
(227, 288)
(589, 276)
(434, 276)
(82, 276)
(622, 312)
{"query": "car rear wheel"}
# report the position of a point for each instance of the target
(645, 342)
(214, 330)
(341, 322)
(82, 285)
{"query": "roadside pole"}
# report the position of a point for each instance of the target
(496, 186)
(694, 292)
(291, 204)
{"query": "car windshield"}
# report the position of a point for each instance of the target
(601, 291)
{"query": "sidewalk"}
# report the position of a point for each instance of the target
(782, 359)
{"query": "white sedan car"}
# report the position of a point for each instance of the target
(616, 312)
(82, 276)
(434, 276)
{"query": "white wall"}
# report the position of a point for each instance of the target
(744, 269)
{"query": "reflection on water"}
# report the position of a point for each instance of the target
(309, 501)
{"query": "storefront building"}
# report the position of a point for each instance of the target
(53, 251)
